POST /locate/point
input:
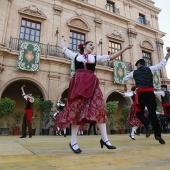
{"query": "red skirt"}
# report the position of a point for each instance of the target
(132, 119)
(85, 102)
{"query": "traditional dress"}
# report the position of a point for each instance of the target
(132, 119)
(85, 100)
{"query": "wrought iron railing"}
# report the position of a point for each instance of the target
(111, 65)
(46, 49)
(145, 22)
(111, 8)
(54, 50)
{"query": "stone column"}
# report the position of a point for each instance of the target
(4, 18)
(52, 88)
(132, 40)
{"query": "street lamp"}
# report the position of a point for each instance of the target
(100, 43)
(57, 36)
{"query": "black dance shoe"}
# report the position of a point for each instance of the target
(161, 141)
(148, 132)
(64, 135)
(22, 136)
(30, 135)
(108, 146)
(131, 137)
(75, 150)
(137, 133)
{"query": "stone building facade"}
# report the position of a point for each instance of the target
(110, 24)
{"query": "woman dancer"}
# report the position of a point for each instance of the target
(85, 102)
(132, 119)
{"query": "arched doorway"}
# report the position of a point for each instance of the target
(13, 91)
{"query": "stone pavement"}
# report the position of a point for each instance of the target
(53, 153)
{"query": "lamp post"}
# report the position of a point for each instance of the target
(100, 43)
(57, 36)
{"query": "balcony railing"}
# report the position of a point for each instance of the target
(46, 49)
(112, 8)
(53, 50)
(111, 65)
(145, 22)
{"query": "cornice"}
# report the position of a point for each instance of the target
(105, 12)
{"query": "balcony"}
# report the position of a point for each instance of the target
(144, 22)
(112, 8)
(55, 51)
(46, 49)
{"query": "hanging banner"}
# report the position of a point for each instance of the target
(119, 71)
(29, 56)
(72, 70)
(157, 79)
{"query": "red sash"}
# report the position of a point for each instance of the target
(136, 101)
(164, 106)
(29, 113)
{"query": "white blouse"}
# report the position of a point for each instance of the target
(80, 58)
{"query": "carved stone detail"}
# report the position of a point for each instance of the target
(57, 9)
(1, 68)
(147, 45)
(98, 22)
(33, 11)
(116, 35)
(78, 23)
(79, 11)
(159, 43)
(132, 32)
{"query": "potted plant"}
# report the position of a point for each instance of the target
(111, 109)
(121, 123)
(17, 117)
(125, 112)
(45, 108)
(36, 113)
(6, 109)
(35, 119)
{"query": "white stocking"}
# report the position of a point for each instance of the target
(74, 129)
(103, 132)
(133, 131)
(64, 131)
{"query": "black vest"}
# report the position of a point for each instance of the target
(28, 105)
(143, 77)
(166, 98)
(80, 65)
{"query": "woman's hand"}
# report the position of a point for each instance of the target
(129, 46)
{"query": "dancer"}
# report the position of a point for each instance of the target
(165, 97)
(27, 118)
(60, 106)
(94, 128)
(85, 102)
(132, 119)
(145, 94)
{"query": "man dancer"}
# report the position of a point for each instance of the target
(145, 96)
(165, 97)
(27, 119)
(166, 102)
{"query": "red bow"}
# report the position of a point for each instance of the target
(85, 56)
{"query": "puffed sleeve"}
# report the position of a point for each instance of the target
(69, 53)
(102, 58)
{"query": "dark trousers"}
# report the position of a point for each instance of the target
(147, 99)
(94, 128)
(26, 124)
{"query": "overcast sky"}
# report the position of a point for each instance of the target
(164, 25)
